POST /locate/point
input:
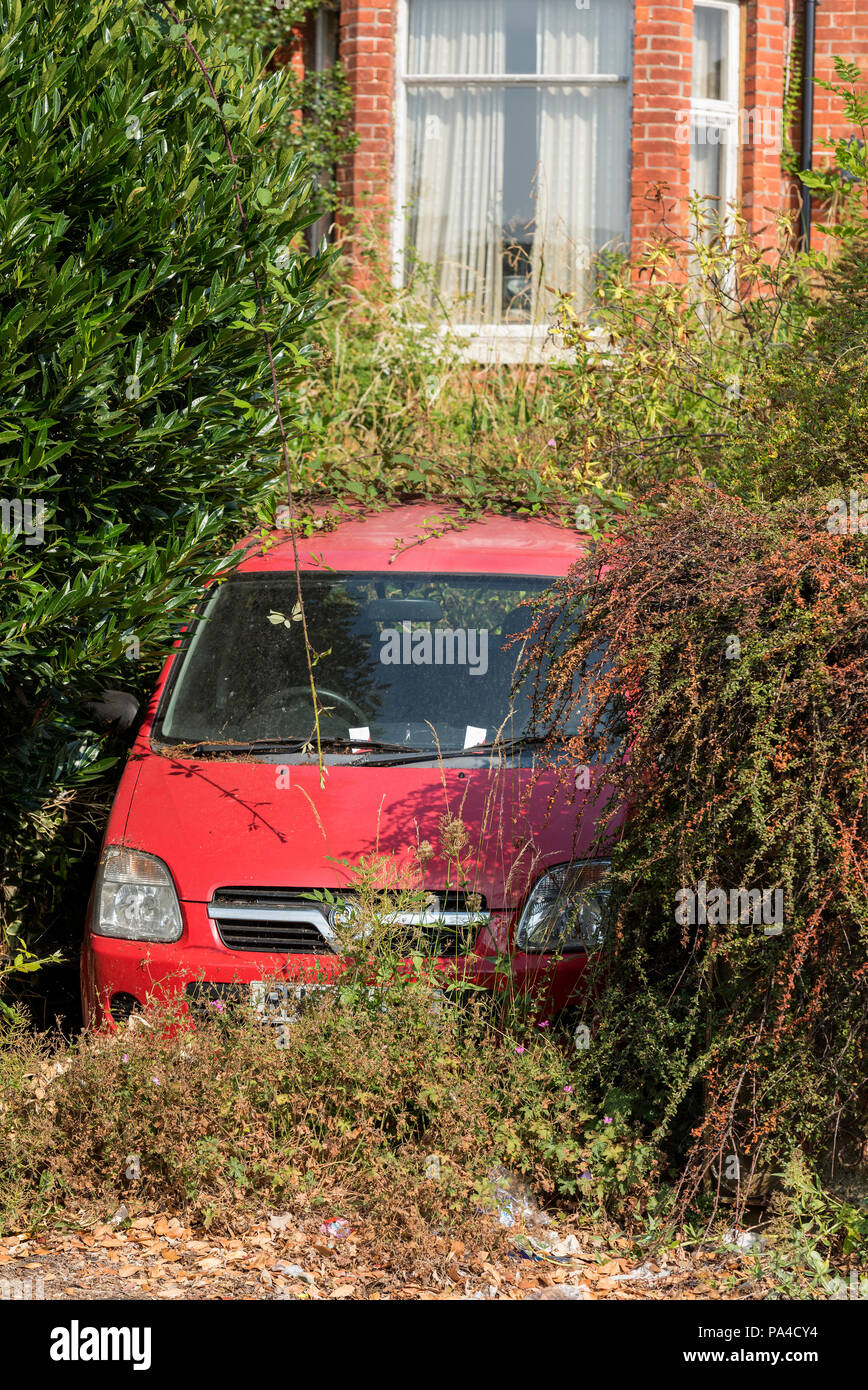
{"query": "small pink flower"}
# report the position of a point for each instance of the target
(607, 1119)
(156, 1080)
(217, 1004)
(569, 1090)
(543, 1024)
(552, 444)
(519, 1050)
(125, 1057)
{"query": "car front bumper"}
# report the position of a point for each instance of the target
(119, 976)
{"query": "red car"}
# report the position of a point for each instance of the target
(226, 863)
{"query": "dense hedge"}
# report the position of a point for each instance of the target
(734, 1030)
(137, 425)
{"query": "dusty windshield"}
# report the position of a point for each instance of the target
(414, 660)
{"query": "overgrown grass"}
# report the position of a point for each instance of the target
(357, 1095)
(397, 1112)
(393, 410)
(661, 373)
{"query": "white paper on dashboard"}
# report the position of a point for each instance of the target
(360, 735)
(472, 736)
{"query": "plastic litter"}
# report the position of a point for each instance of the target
(338, 1228)
(567, 1247)
(743, 1240)
(644, 1274)
(539, 1248)
(561, 1291)
(293, 1272)
(513, 1202)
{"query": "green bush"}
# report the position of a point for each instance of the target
(317, 120)
(137, 425)
(739, 636)
(357, 1095)
(665, 365)
(804, 420)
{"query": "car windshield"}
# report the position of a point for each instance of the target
(419, 661)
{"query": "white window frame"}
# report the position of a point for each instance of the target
(724, 115)
(489, 343)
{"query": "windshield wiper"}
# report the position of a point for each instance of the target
(290, 745)
(363, 744)
(406, 752)
(507, 746)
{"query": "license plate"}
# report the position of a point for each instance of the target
(279, 1004)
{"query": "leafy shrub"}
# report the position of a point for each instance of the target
(804, 419)
(360, 1092)
(664, 367)
(137, 427)
(317, 118)
(739, 636)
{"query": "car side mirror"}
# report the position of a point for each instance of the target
(117, 710)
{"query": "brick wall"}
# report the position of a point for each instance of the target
(767, 30)
(663, 44)
(842, 31)
(367, 48)
(661, 89)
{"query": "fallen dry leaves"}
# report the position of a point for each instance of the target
(286, 1256)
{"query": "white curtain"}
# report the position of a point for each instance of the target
(456, 148)
(582, 194)
(456, 154)
(710, 28)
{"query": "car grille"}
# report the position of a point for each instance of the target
(270, 919)
(285, 922)
(449, 928)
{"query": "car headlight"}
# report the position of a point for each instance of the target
(134, 897)
(566, 910)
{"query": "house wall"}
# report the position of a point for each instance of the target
(661, 89)
(662, 51)
(767, 53)
(367, 50)
(842, 31)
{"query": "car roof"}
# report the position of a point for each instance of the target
(422, 538)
